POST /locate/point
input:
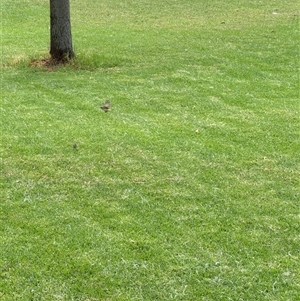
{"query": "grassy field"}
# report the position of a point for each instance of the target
(188, 189)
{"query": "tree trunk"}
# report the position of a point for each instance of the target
(60, 30)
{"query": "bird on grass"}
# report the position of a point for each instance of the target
(106, 106)
(75, 146)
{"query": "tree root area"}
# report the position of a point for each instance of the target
(48, 63)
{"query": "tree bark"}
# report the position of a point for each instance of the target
(60, 30)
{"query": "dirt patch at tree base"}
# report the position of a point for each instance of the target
(48, 63)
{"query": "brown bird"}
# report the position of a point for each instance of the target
(106, 106)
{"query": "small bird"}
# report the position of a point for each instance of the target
(106, 106)
(75, 146)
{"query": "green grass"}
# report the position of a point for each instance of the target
(188, 189)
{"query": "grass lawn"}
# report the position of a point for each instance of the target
(188, 189)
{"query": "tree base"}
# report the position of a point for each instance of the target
(62, 55)
(49, 63)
